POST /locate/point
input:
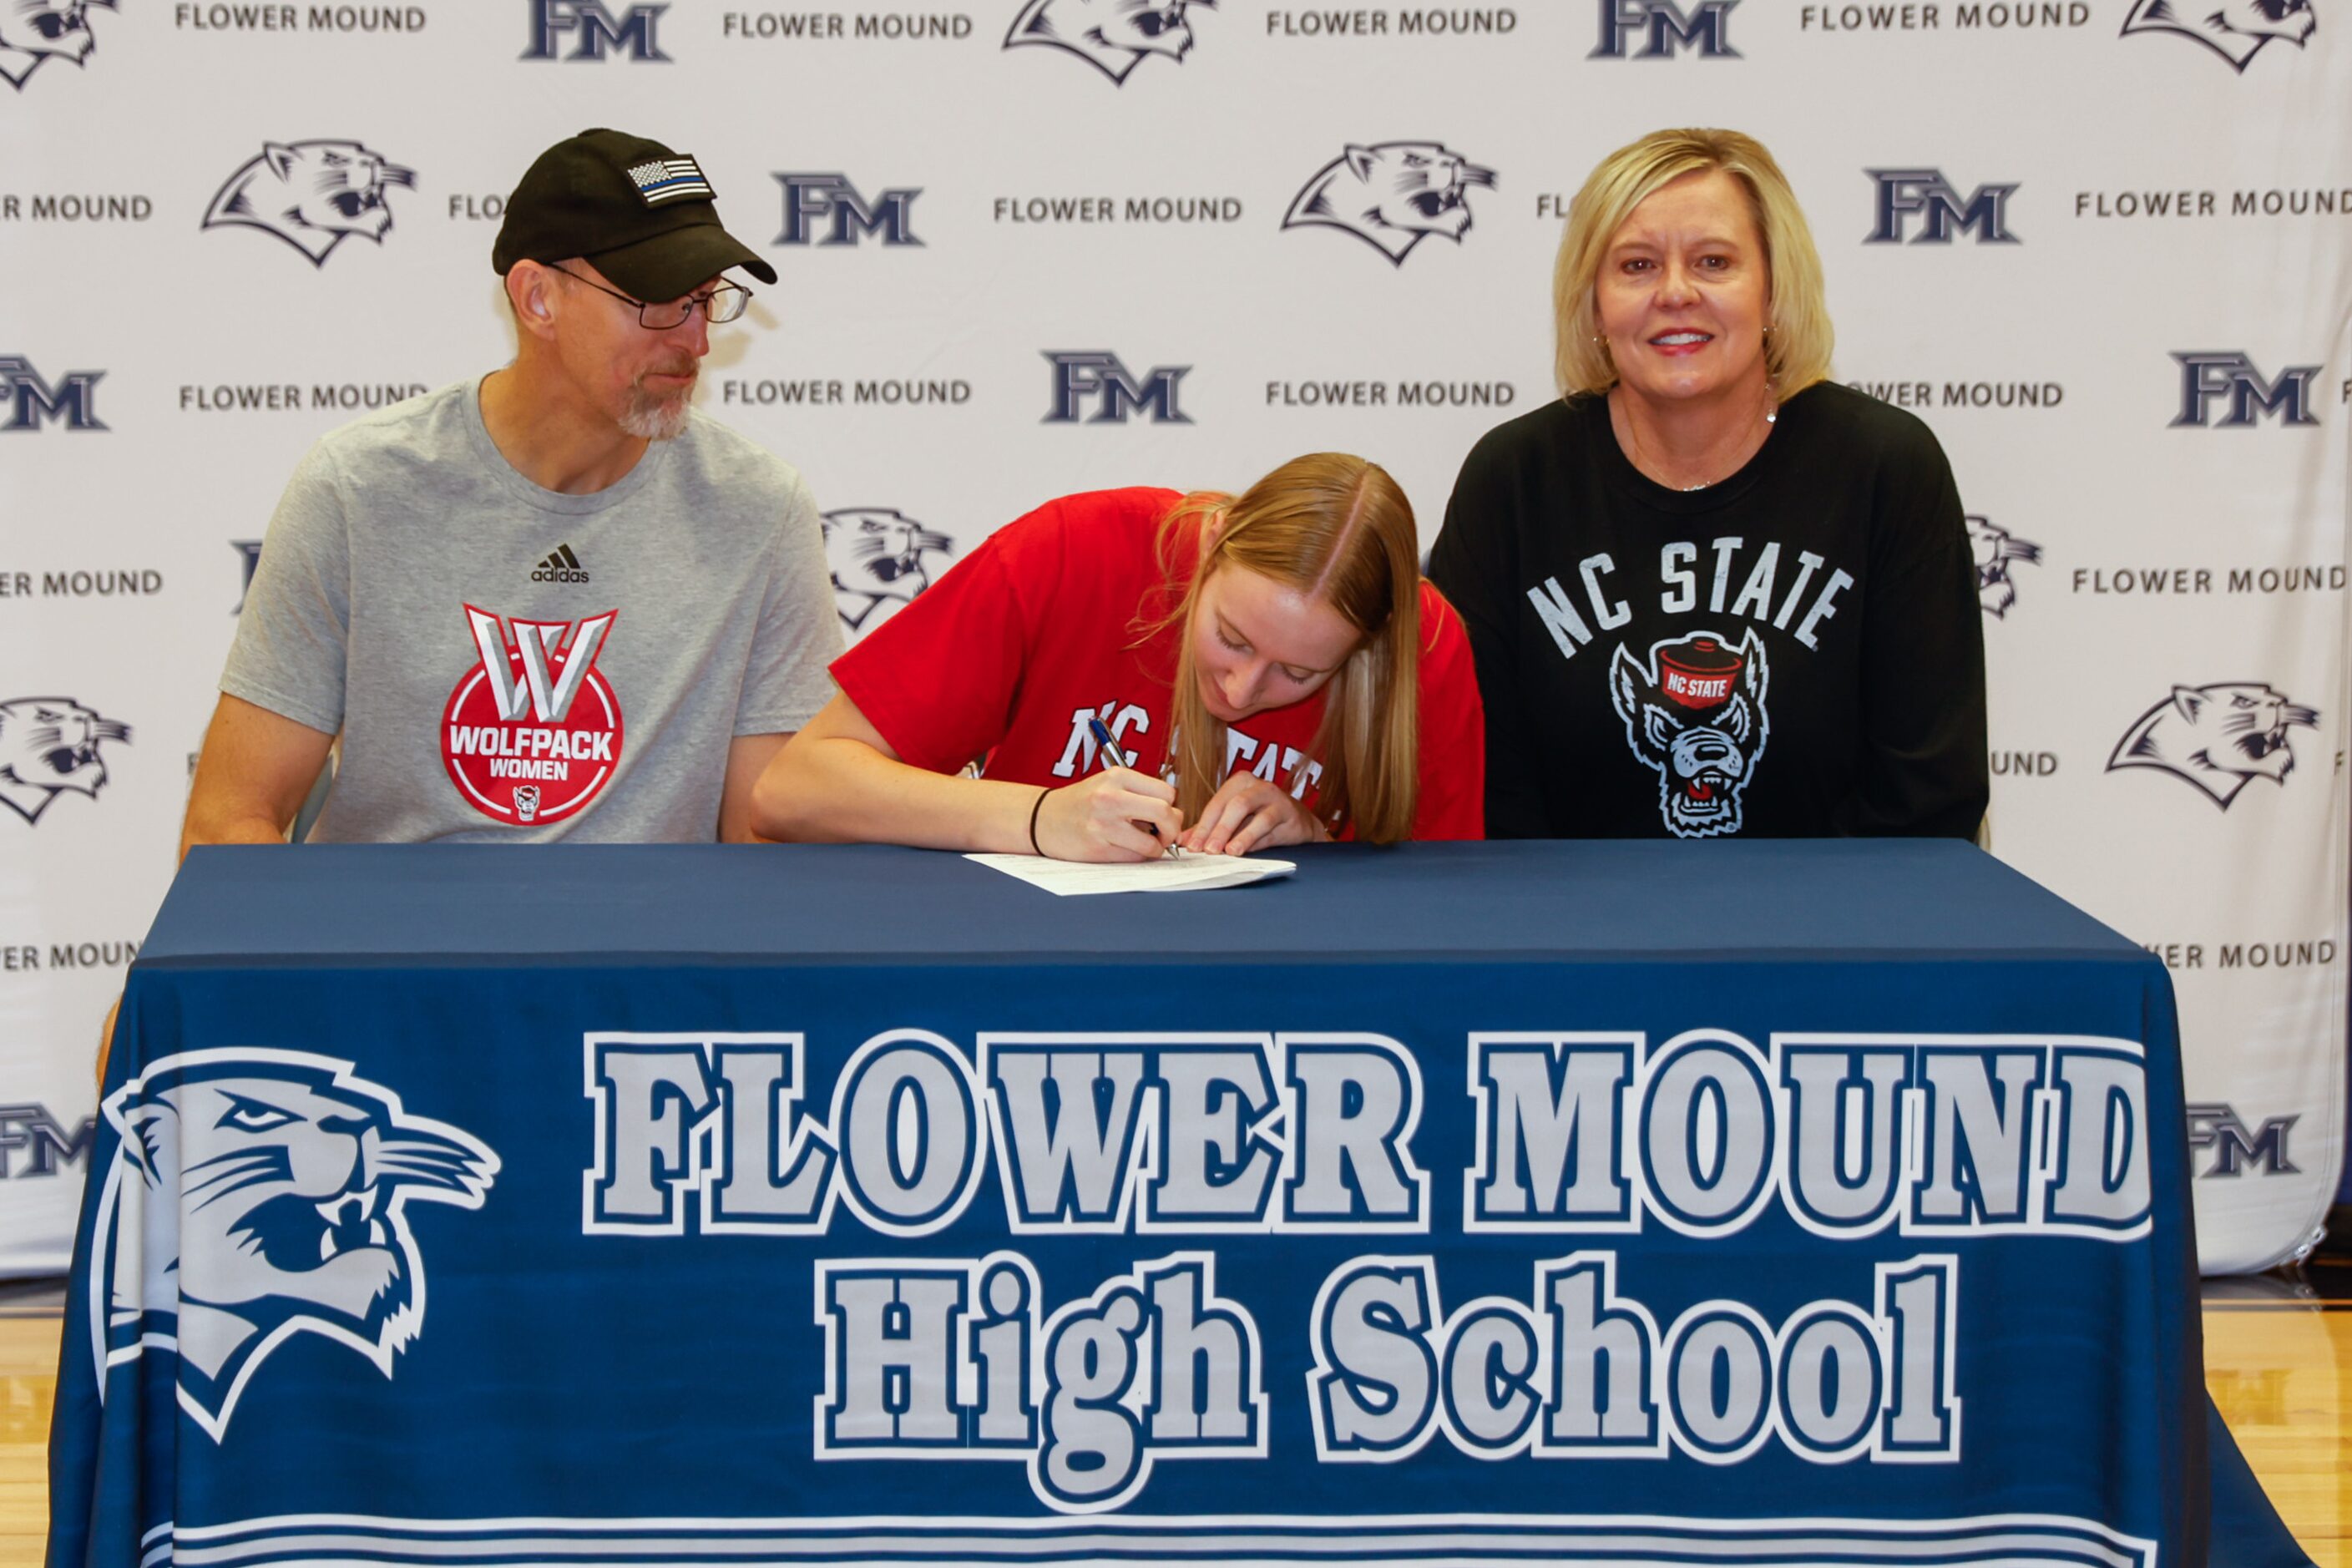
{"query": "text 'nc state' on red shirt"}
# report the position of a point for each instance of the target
(1051, 622)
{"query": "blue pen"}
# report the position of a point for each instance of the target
(1117, 758)
(1104, 743)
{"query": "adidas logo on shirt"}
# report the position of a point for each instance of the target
(561, 567)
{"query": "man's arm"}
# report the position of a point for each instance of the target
(252, 775)
(747, 756)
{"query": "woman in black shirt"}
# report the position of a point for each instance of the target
(1709, 591)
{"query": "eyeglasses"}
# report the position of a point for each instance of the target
(722, 305)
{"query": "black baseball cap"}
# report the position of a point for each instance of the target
(643, 216)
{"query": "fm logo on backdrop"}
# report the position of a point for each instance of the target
(1996, 551)
(2236, 1148)
(2218, 738)
(594, 32)
(30, 401)
(1097, 378)
(827, 209)
(1660, 29)
(2234, 29)
(1943, 212)
(881, 559)
(34, 32)
(1112, 36)
(51, 746)
(2246, 395)
(34, 1144)
(1391, 195)
(312, 194)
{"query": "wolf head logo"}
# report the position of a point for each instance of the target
(2234, 29)
(877, 558)
(32, 32)
(49, 745)
(1695, 715)
(1996, 549)
(1113, 35)
(312, 194)
(2219, 738)
(254, 1194)
(1391, 195)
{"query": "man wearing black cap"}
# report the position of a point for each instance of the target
(551, 601)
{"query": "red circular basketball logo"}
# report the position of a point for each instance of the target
(533, 731)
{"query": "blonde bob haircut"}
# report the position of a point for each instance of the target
(1339, 529)
(1797, 345)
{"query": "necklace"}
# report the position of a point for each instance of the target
(1771, 413)
(1632, 439)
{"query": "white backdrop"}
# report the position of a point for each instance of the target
(2116, 284)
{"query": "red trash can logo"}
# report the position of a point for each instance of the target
(533, 729)
(1696, 673)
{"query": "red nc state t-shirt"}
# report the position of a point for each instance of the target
(1044, 626)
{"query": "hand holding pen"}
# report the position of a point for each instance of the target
(1119, 814)
(1108, 747)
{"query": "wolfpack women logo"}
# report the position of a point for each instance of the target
(1696, 716)
(34, 32)
(2234, 29)
(1391, 195)
(256, 1194)
(878, 561)
(2219, 738)
(533, 730)
(312, 194)
(49, 745)
(1112, 36)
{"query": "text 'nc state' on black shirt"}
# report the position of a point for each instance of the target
(1795, 652)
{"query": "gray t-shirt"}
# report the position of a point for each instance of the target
(507, 663)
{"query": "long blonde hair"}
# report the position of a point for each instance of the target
(1339, 529)
(1796, 349)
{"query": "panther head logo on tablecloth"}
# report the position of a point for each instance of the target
(254, 1194)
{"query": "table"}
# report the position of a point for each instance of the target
(1759, 1203)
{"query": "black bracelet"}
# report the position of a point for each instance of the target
(1033, 820)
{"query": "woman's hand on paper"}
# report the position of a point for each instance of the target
(1247, 812)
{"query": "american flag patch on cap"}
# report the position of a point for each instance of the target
(668, 179)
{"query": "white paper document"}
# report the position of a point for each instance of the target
(1181, 872)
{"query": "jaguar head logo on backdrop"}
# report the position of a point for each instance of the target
(256, 1194)
(2219, 738)
(34, 32)
(881, 559)
(1391, 195)
(49, 745)
(312, 194)
(2234, 29)
(1112, 36)
(1997, 550)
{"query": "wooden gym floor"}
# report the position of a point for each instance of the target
(2278, 1357)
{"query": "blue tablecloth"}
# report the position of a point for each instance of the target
(1648, 1203)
